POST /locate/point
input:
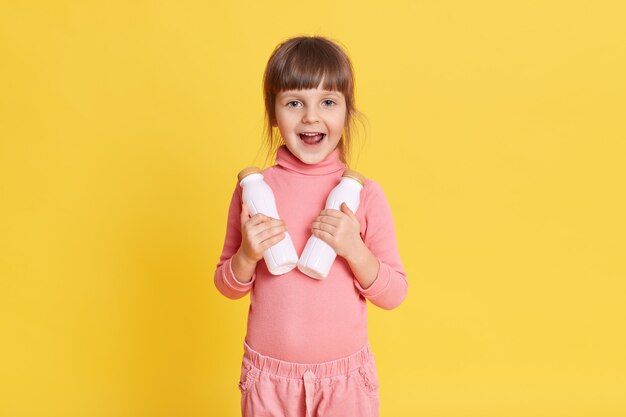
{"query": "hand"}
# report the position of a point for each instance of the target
(258, 233)
(340, 229)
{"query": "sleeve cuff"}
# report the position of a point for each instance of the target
(232, 281)
(379, 285)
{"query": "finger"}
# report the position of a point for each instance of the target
(324, 235)
(268, 232)
(259, 218)
(345, 209)
(254, 229)
(334, 221)
(325, 227)
(268, 243)
(245, 213)
(331, 213)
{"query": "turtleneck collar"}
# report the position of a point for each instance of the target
(332, 163)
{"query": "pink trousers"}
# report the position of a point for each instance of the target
(340, 388)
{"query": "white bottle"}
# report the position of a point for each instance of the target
(258, 196)
(318, 256)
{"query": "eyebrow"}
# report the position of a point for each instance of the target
(294, 93)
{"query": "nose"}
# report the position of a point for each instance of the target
(310, 115)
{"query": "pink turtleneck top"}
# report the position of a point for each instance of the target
(293, 317)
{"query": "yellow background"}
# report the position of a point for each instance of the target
(497, 130)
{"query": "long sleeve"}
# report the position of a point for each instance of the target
(225, 280)
(390, 287)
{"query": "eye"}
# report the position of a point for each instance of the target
(294, 103)
(328, 102)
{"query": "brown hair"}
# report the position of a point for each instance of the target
(302, 63)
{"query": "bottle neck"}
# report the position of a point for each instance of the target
(250, 179)
(351, 182)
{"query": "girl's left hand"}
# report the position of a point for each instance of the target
(340, 229)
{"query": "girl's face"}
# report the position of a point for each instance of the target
(311, 122)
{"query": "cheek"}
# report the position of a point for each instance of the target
(284, 119)
(341, 122)
(282, 122)
(339, 126)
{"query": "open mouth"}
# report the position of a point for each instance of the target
(312, 138)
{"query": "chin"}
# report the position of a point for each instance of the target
(307, 156)
(311, 159)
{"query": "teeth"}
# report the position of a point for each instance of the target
(311, 134)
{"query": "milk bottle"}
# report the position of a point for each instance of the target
(318, 256)
(258, 196)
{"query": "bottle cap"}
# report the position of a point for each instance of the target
(247, 171)
(354, 175)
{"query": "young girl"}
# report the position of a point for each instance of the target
(306, 352)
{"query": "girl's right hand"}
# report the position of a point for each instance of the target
(259, 233)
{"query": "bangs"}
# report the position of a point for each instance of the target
(309, 64)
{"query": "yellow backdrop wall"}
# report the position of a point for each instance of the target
(496, 129)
